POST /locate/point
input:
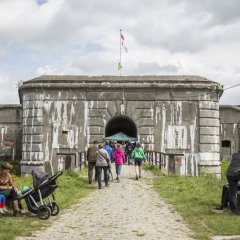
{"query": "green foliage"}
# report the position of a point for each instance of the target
(224, 167)
(71, 173)
(195, 198)
(72, 186)
(154, 169)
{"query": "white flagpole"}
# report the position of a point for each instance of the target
(120, 61)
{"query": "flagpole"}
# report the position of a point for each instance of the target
(120, 48)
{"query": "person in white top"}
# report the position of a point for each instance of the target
(102, 163)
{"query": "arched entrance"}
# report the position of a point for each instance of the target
(123, 124)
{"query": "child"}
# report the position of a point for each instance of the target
(2, 204)
(119, 159)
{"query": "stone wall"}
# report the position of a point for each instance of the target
(177, 115)
(10, 129)
(229, 130)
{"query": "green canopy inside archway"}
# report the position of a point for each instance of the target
(120, 137)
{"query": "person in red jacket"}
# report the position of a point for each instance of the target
(119, 159)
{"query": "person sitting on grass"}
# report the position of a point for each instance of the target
(2, 204)
(7, 188)
(224, 198)
(233, 177)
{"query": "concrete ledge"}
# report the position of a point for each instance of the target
(209, 158)
(32, 156)
(209, 139)
(209, 130)
(205, 147)
(209, 113)
(214, 122)
(209, 105)
(32, 130)
(32, 147)
(32, 112)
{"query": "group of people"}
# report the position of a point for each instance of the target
(101, 156)
(8, 191)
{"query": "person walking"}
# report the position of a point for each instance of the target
(92, 158)
(233, 176)
(128, 151)
(102, 163)
(109, 150)
(138, 156)
(119, 159)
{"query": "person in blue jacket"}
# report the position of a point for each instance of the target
(109, 150)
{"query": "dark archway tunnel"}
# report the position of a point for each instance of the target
(123, 124)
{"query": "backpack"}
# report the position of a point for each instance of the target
(91, 154)
(129, 147)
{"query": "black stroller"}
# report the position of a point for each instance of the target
(43, 187)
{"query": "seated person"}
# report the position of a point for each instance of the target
(224, 198)
(2, 204)
(7, 187)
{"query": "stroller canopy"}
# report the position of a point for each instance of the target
(38, 177)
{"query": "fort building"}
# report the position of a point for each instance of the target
(179, 116)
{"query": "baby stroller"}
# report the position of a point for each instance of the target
(43, 187)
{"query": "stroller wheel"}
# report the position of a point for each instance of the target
(44, 212)
(54, 209)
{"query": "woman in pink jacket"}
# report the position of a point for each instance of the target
(119, 159)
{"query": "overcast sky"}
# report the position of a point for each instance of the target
(163, 37)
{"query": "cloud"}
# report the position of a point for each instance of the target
(224, 13)
(231, 97)
(154, 67)
(82, 37)
(9, 92)
(41, 2)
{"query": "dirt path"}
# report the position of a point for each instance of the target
(127, 210)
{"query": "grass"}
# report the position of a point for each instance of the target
(195, 198)
(72, 187)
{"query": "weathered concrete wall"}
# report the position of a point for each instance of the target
(10, 129)
(229, 130)
(174, 115)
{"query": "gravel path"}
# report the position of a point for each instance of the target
(127, 210)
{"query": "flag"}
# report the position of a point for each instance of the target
(122, 37)
(124, 46)
(119, 66)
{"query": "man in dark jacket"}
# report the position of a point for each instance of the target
(92, 158)
(128, 151)
(233, 176)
